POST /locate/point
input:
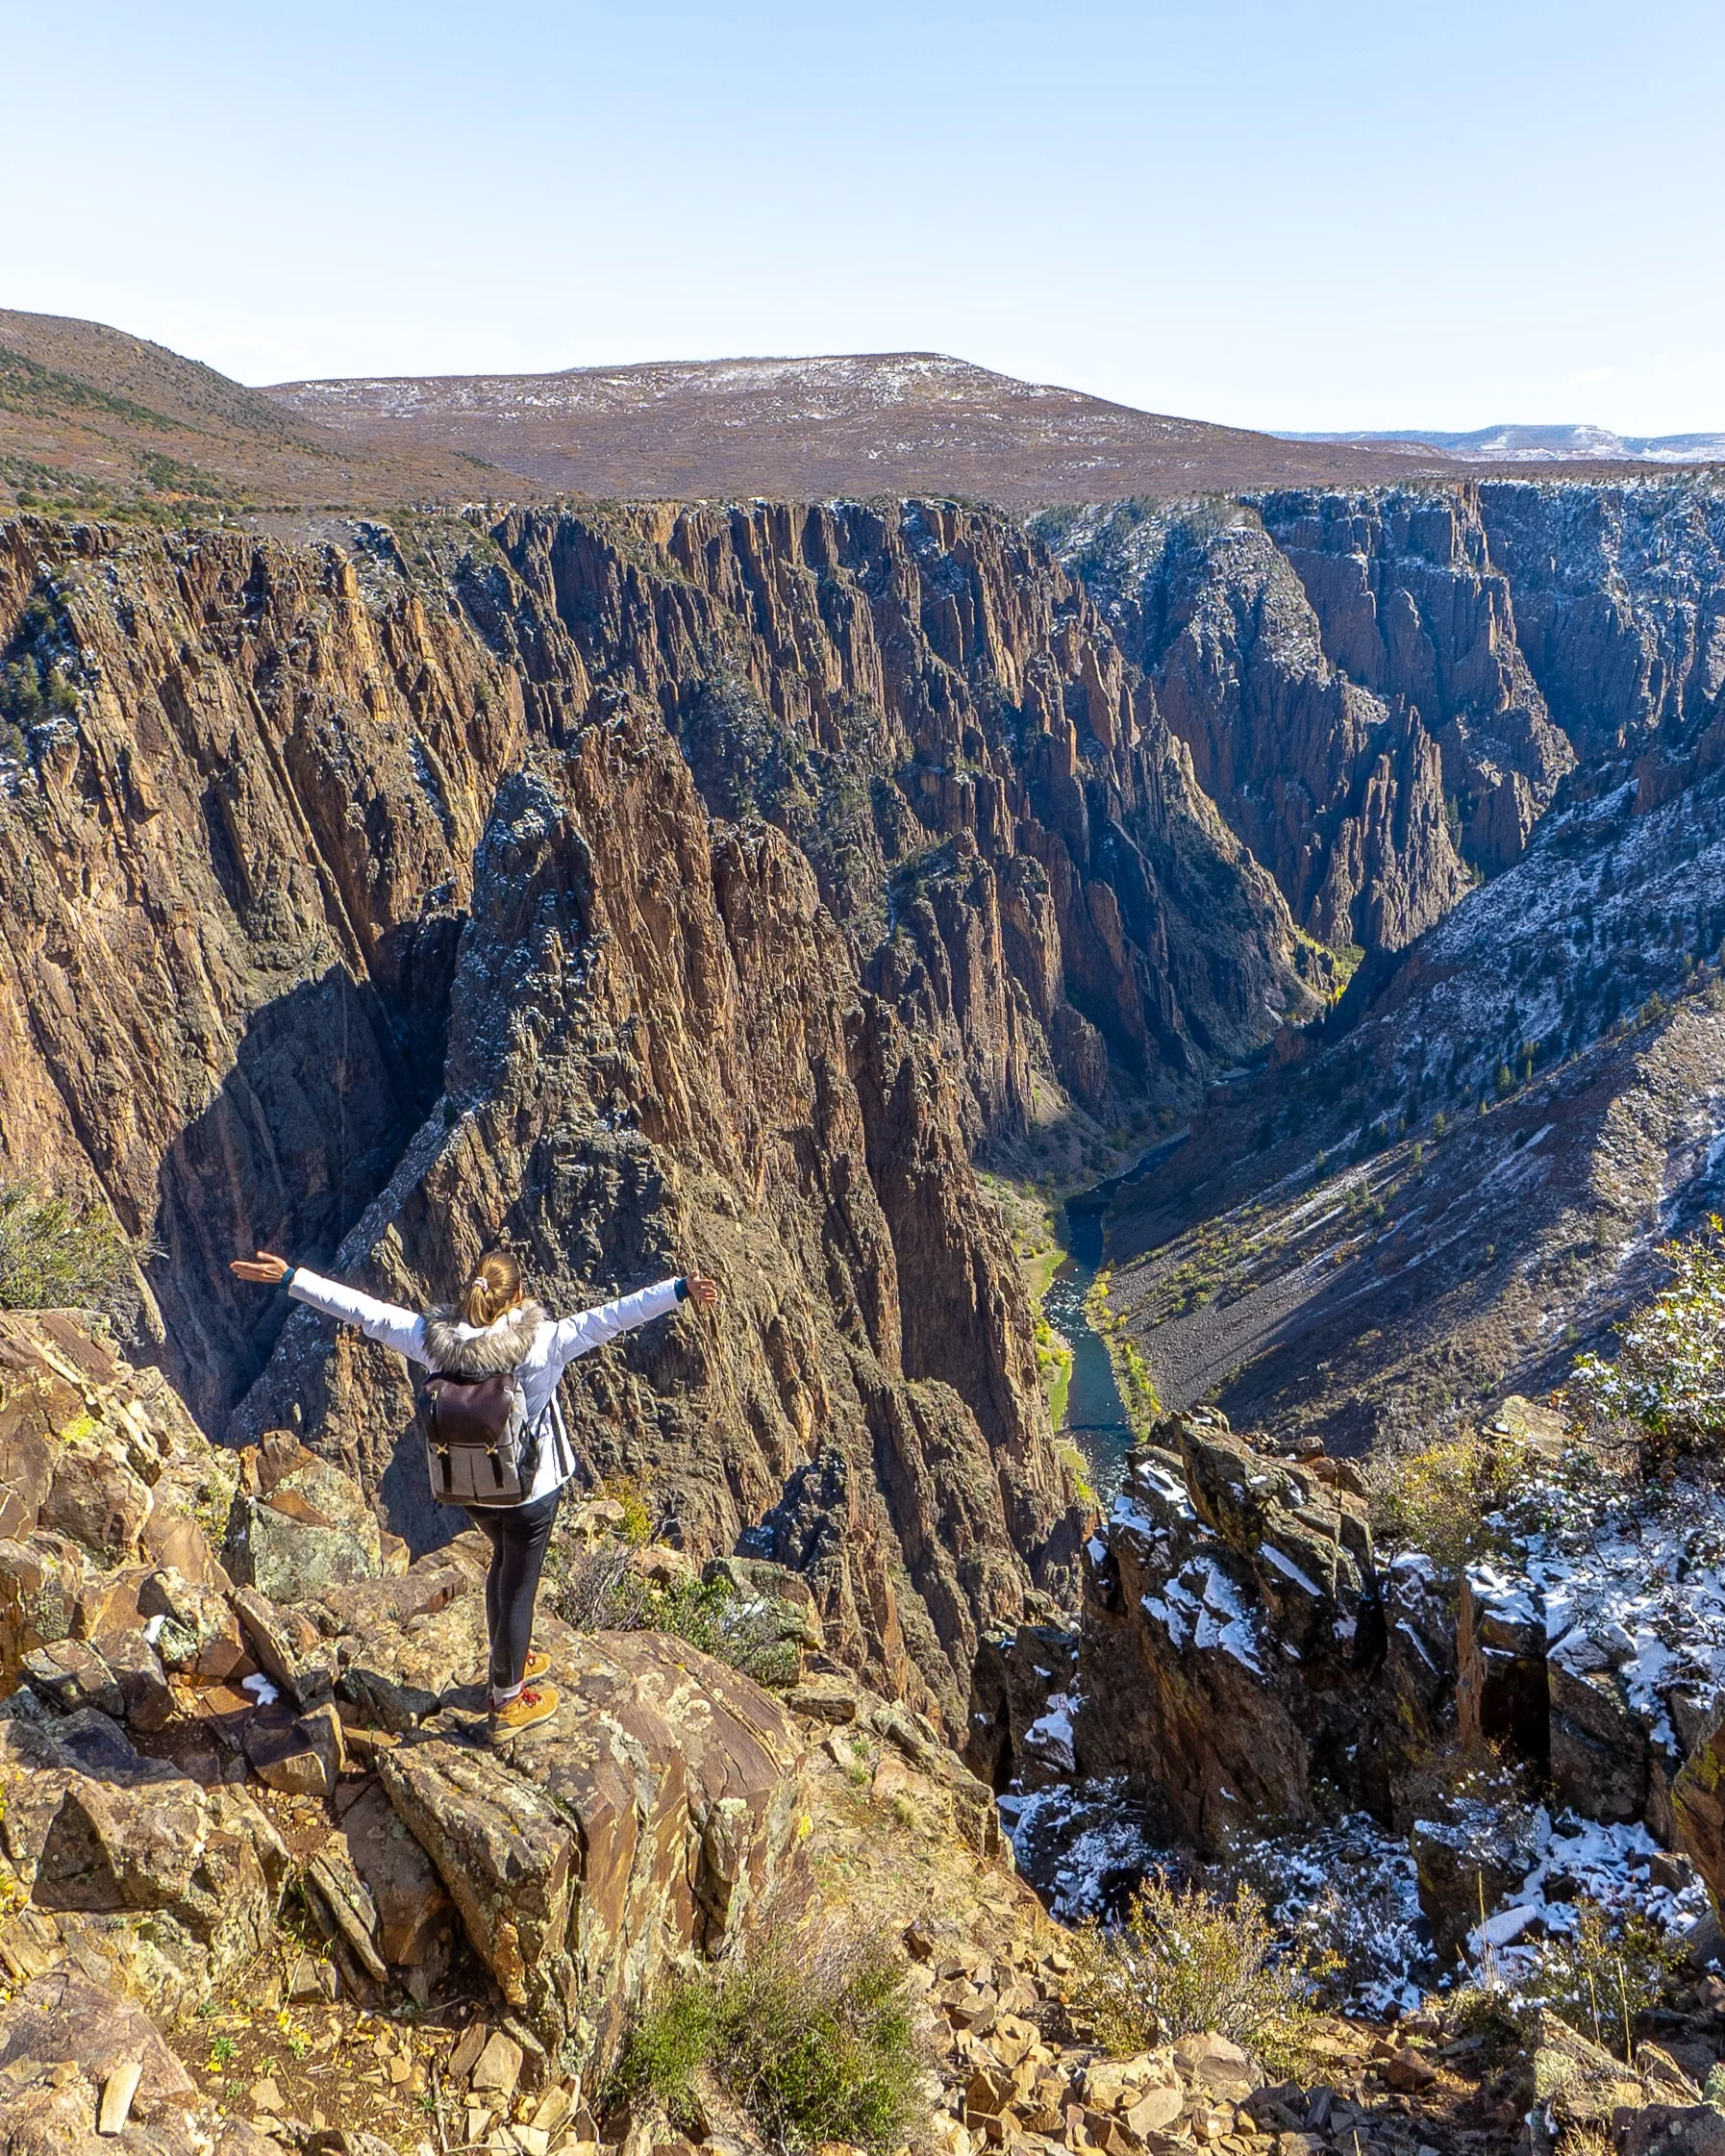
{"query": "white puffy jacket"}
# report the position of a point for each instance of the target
(556, 1344)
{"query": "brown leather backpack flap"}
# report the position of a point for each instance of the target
(471, 1412)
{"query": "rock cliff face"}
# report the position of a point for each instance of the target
(1384, 690)
(1619, 603)
(1413, 605)
(1345, 670)
(1238, 1648)
(1340, 791)
(695, 884)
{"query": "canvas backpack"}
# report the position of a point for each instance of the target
(480, 1446)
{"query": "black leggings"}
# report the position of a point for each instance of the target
(517, 1535)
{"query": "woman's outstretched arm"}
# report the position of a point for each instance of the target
(592, 1328)
(385, 1322)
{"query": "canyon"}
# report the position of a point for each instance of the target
(803, 891)
(719, 885)
(694, 886)
(1465, 1171)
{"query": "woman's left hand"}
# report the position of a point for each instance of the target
(702, 1293)
(266, 1270)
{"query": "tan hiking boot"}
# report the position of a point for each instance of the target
(532, 1705)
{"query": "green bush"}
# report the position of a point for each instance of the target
(813, 2044)
(1669, 1376)
(1442, 1498)
(1604, 1975)
(1184, 1963)
(604, 1591)
(58, 1250)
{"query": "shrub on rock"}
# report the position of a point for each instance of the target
(1183, 1965)
(812, 2044)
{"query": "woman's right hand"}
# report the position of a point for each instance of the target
(266, 1270)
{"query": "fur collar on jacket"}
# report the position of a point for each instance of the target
(501, 1346)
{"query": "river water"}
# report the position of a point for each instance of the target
(1095, 1414)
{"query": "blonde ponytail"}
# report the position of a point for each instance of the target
(491, 1288)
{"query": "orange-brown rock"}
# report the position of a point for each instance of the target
(830, 844)
(655, 1815)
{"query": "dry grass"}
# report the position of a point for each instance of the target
(1184, 1963)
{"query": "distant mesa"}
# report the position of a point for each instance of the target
(1536, 445)
(861, 424)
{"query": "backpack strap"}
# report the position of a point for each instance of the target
(563, 1451)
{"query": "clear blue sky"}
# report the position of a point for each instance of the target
(1300, 214)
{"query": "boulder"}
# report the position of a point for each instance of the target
(415, 1918)
(302, 1755)
(421, 1590)
(1502, 1692)
(192, 1628)
(510, 1860)
(301, 1527)
(343, 1906)
(108, 1602)
(98, 1835)
(32, 1401)
(1663, 2129)
(146, 1703)
(67, 2044)
(98, 1501)
(1218, 2063)
(780, 1601)
(652, 1817)
(825, 1697)
(397, 1672)
(1698, 1806)
(290, 1652)
(1579, 2084)
(69, 1674)
(1470, 1853)
(39, 1593)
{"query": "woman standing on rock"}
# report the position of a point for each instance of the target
(490, 1410)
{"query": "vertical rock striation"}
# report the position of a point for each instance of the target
(1413, 605)
(694, 884)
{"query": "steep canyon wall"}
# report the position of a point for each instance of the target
(1383, 691)
(689, 884)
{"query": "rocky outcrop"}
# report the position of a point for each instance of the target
(1239, 1643)
(1639, 2106)
(653, 1820)
(662, 1804)
(128, 1868)
(83, 2071)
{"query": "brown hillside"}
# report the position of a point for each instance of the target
(894, 423)
(92, 419)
